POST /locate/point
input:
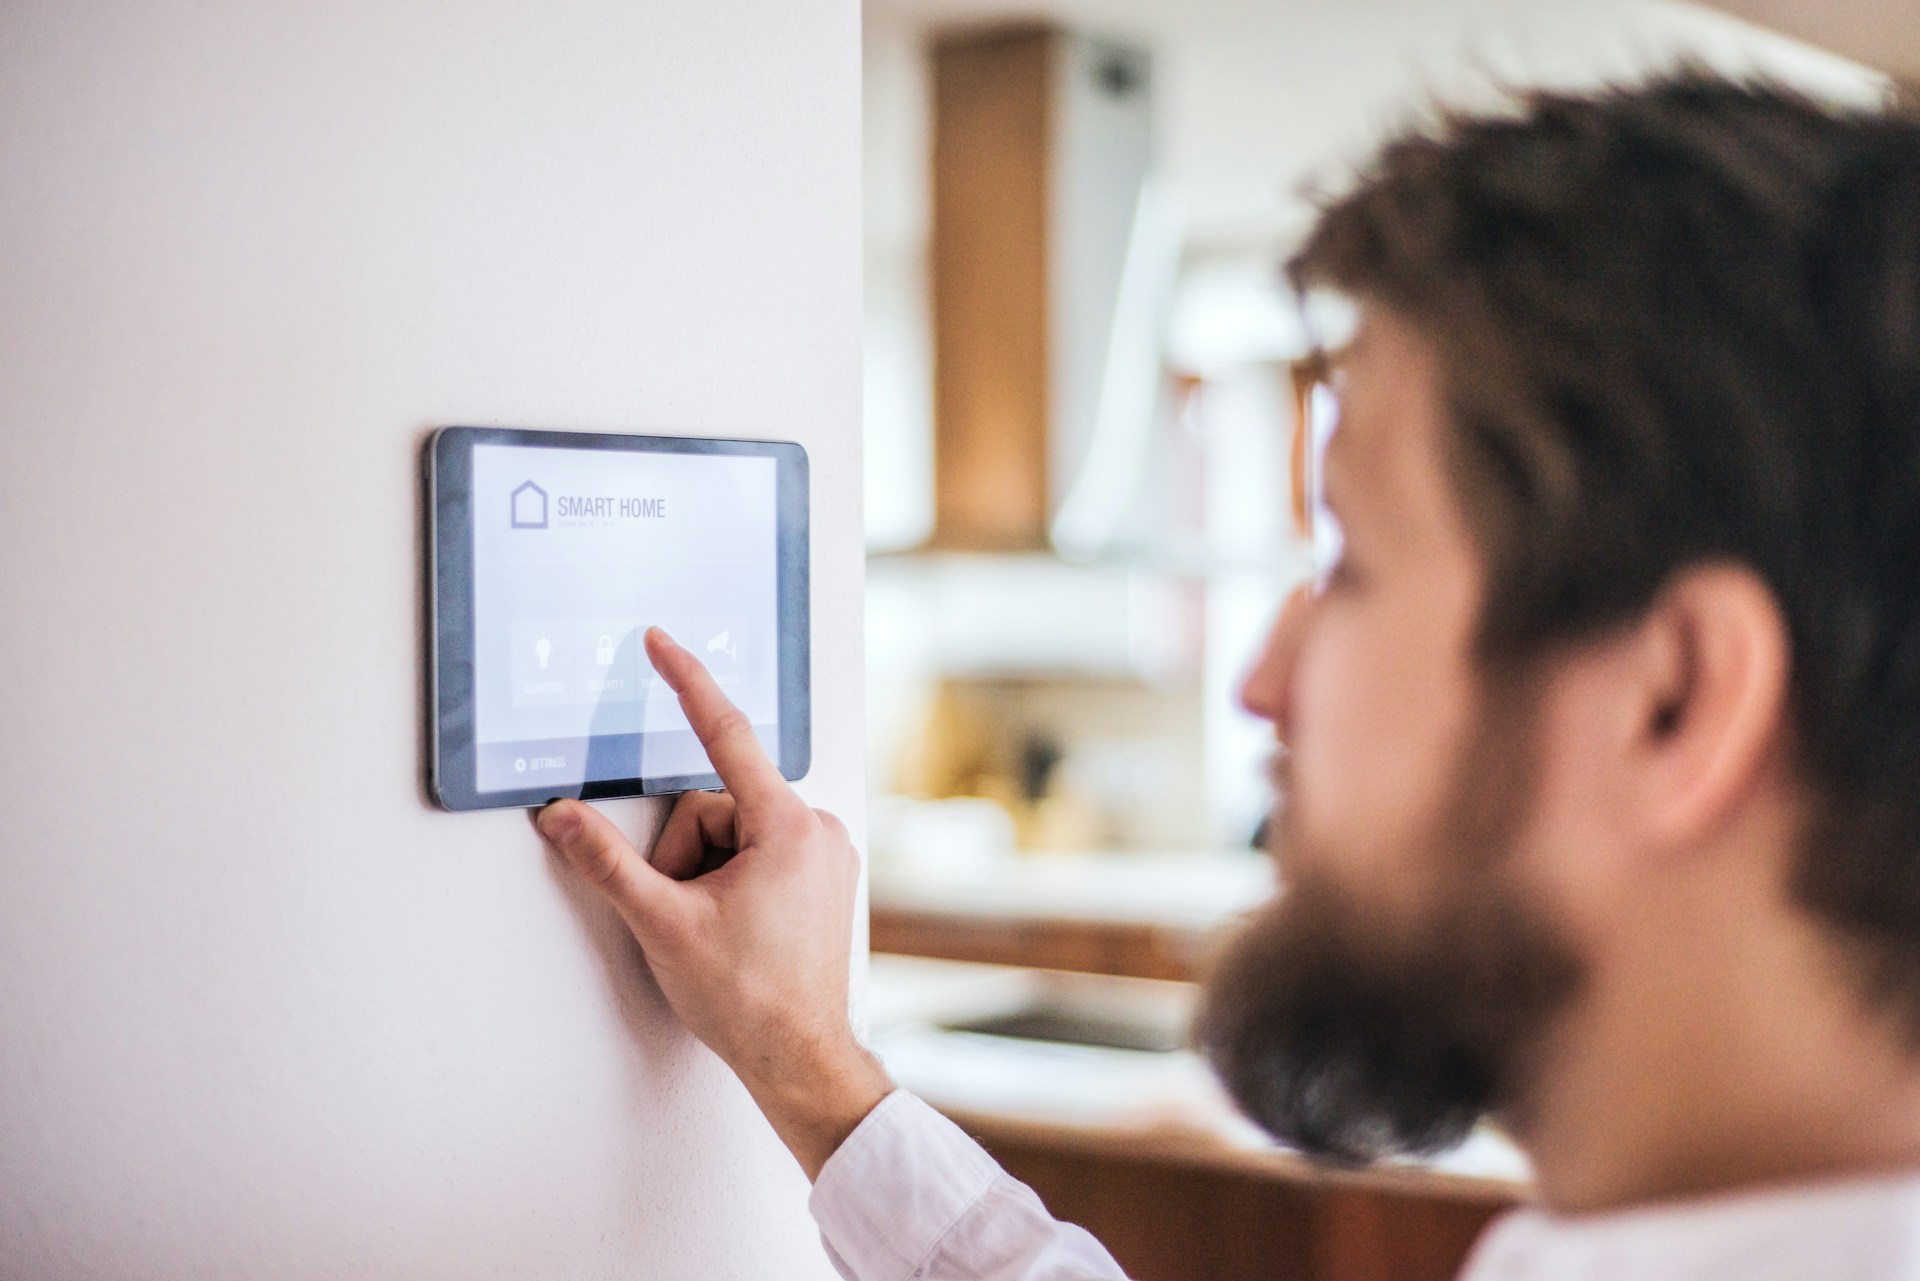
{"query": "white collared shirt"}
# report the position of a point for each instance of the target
(1851, 1230)
(909, 1195)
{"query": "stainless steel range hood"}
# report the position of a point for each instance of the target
(1052, 262)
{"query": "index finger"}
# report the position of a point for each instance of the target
(723, 729)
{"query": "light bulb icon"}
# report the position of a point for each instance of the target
(543, 649)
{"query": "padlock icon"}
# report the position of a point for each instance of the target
(603, 652)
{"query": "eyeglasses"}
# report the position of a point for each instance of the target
(1316, 412)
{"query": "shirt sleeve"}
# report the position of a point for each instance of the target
(910, 1196)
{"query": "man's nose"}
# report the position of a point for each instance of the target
(1266, 692)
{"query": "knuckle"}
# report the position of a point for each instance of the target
(830, 823)
(730, 722)
(791, 826)
(713, 812)
(599, 860)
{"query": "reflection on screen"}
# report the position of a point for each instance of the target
(576, 553)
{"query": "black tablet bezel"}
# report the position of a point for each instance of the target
(453, 752)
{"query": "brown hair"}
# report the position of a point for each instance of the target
(1680, 323)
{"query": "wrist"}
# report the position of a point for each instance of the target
(816, 1097)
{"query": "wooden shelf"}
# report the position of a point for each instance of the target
(1130, 949)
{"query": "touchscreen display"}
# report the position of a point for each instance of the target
(576, 552)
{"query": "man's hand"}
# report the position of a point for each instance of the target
(746, 918)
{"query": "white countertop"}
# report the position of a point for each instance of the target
(1188, 889)
(1095, 1087)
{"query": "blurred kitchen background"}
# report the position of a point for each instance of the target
(1085, 497)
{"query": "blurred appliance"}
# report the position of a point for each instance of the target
(1053, 264)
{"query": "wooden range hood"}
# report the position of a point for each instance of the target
(1041, 147)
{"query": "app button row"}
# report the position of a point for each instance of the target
(565, 662)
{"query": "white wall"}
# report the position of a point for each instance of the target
(263, 1011)
(896, 205)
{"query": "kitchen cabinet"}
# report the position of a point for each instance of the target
(1173, 1208)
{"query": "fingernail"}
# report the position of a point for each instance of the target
(557, 821)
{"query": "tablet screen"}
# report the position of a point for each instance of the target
(574, 553)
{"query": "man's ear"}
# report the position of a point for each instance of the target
(1710, 700)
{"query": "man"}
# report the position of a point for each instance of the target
(1601, 774)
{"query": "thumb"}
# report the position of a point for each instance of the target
(594, 848)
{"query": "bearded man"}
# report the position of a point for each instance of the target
(1600, 767)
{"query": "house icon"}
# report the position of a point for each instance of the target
(529, 506)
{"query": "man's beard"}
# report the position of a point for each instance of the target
(1353, 1039)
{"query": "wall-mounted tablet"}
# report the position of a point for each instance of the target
(552, 553)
